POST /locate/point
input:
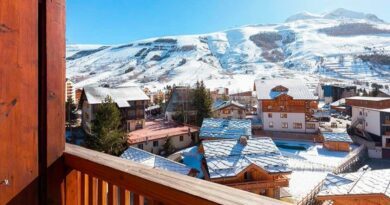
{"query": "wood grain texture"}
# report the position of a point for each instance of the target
(159, 185)
(18, 100)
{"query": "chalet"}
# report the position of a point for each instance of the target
(337, 141)
(157, 162)
(371, 120)
(219, 94)
(333, 92)
(131, 102)
(218, 128)
(366, 187)
(228, 109)
(181, 102)
(247, 98)
(254, 165)
(70, 90)
(286, 105)
(155, 134)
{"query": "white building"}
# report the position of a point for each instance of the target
(70, 91)
(286, 105)
(371, 120)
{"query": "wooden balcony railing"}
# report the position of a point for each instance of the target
(98, 178)
(261, 184)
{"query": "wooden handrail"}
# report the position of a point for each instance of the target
(159, 185)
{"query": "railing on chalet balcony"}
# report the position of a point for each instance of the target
(264, 184)
(98, 178)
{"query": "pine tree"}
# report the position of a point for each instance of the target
(202, 102)
(169, 148)
(107, 136)
(70, 109)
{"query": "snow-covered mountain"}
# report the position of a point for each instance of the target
(339, 45)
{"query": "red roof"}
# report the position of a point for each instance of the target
(159, 129)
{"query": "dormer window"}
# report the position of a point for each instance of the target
(279, 88)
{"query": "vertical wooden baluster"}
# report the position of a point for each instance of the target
(110, 195)
(102, 192)
(95, 191)
(84, 191)
(90, 190)
(138, 199)
(72, 189)
(124, 196)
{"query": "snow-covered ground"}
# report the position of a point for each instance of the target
(309, 166)
(235, 57)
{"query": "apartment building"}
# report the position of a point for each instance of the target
(70, 91)
(371, 120)
(286, 105)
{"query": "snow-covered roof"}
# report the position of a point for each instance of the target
(227, 158)
(368, 98)
(225, 128)
(155, 161)
(336, 137)
(220, 104)
(120, 95)
(366, 182)
(294, 88)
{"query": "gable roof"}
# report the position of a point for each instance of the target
(227, 158)
(120, 95)
(180, 97)
(225, 128)
(365, 182)
(223, 104)
(294, 88)
(336, 137)
(155, 161)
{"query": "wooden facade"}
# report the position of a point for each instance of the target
(230, 112)
(369, 102)
(285, 103)
(337, 146)
(256, 180)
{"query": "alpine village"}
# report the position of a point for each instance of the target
(281, 140)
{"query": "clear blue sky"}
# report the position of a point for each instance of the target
(122, 21)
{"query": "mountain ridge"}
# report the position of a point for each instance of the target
(309, 49)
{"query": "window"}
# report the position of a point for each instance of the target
(226, 111)
(310, 126)
(283, 115)
(360, 113)
(155, 143)
(247, 176)
(181, 138)
(140, 146)
(269, 115)
(284, 125)
(297, 125)
(271, 124)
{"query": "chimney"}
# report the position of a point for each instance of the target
(243, 140)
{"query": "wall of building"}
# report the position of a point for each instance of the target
(87, 116)
(175, 140)
(230, 112)
(292, 118)
(337, 146)
(370, 117)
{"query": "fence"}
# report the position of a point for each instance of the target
(351, 163)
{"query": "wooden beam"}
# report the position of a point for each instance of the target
(164, 186)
